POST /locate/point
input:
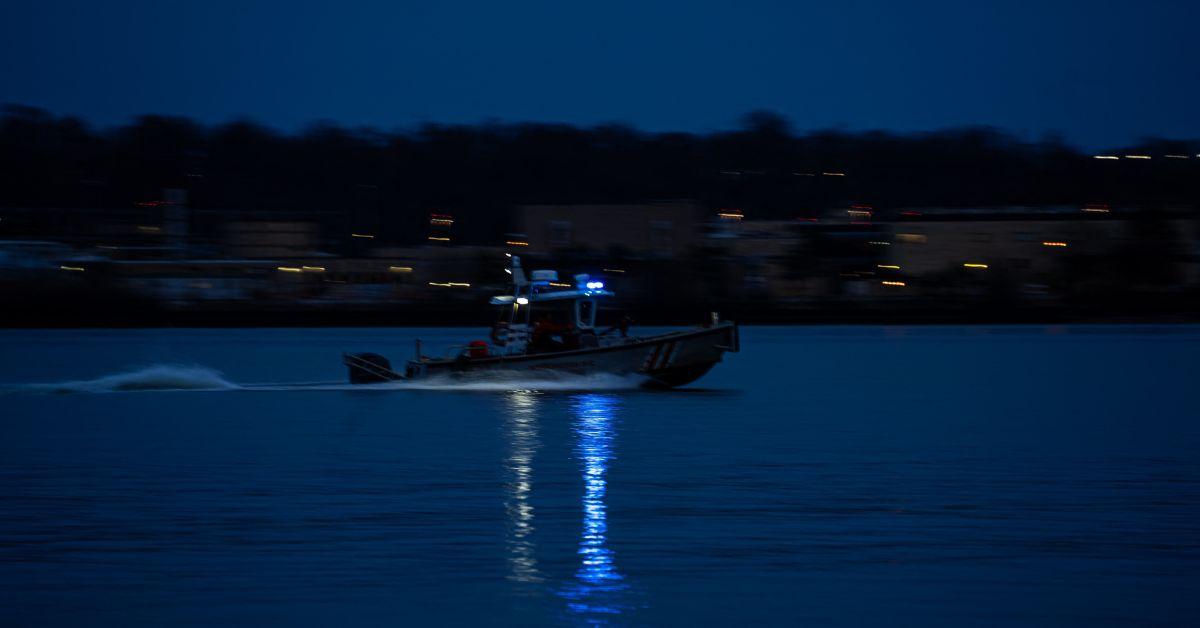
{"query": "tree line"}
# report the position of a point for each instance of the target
(390, 181)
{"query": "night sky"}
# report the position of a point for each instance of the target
(1100, 73)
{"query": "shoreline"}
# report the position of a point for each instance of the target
(81, 316)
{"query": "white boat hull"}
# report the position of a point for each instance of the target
(666, 360)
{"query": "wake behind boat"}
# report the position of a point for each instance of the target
(546, 326)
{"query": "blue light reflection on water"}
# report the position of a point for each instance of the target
(598, 587)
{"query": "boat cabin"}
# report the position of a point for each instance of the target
(543, 315)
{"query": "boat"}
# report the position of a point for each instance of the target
(549, 327)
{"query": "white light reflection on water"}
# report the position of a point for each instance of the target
(598, 584)
(523, 442)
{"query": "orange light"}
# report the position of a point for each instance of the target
(893, 283)
(516, 243)
(1054, 244)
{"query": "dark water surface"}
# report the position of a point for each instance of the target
(825, 475)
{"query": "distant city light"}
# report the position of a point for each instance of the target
(522, 301)
(893, 283)
(290, 269)
(149, 229)
(313, 269)
(516, 243)
(77, 269)
(1096, 210)
(400, 269)
(558, 284)
(1137, 156)
(888, 266)
(614, 270)
(1054, 244)
(731, 214)
(449, 284)
(439, 238)
(1105, 157)
(974, 265)
(363, 235)
(1176, 156)
(858, 212)
(879, 243)
(833, 174)
(912, 237)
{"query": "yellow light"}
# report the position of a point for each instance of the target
(1054, 244)
(893, 283)
(833, 174)
(449, 284)
(516, 243)
(1137, 156)
(1105, 157)
(400, 269)
(77, 269)
(149, 229)
(560, 285)
(362, 235)
(313, 269)
(439, 238)
(888, 266)
(289, 269)
(974, 265)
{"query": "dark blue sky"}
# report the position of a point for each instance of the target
(1102, 73)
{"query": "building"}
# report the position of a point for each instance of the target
(650, 230)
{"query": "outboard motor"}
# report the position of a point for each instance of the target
(369, 368)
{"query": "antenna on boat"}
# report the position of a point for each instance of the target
(518, 274)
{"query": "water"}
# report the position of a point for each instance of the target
(827, 475)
